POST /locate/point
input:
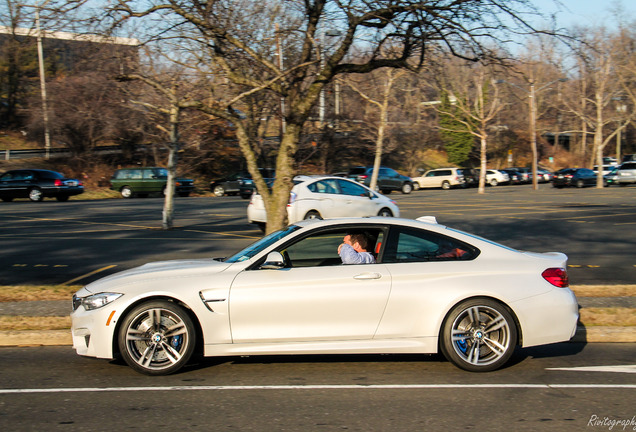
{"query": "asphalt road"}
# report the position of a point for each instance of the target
(80, 241)
(542, 388)
(51, 388)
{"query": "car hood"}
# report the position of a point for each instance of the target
(159, 269)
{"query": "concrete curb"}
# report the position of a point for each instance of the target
(30, 338)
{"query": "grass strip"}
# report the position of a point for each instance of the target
(15, 323)
(611, 317)
(12, 293)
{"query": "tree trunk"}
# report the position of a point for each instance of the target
(168, 203)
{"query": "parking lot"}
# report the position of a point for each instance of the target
(79, 241)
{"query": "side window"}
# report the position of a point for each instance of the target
(413, 245)
(321, 249)
(135, 174)
(431, 174)
(324, 186)
(149, 174)
(351, 188)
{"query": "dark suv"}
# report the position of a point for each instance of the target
(239, 183)
(131, 182)
(388, 179)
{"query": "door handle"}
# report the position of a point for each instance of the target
(367, 276)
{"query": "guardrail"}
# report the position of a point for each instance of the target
(53, 152)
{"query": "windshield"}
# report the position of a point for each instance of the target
(253, 249)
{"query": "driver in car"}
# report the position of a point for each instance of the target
(353, 250)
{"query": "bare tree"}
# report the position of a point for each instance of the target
(475, 105)
(382, 104)
(238, 38)
(599, 57)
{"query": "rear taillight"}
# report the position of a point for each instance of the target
(292, 198)
(58, 182)
(557, 277)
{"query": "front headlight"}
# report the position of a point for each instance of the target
(96, 301)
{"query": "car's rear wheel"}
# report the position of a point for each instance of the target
(313, 214)
(493, 182)
(218, 190)
(385, 212)
(157, 338)
(446, 185)
(36, 195)
(127, 192)
(479, 335)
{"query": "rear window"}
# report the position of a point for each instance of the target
(359, 170)
(51, 175)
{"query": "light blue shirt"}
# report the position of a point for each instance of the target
(350, 256)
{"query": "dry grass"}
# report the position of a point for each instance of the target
(620, 317)
(605, 290)
(13, 323)
(589, 316)
(10, 293)
(64, 292)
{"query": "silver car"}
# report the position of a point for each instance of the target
(626, 174)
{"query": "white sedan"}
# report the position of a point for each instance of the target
(326, 197)
(432, 289)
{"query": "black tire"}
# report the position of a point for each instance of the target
(312, 214)
(127, 192)
(446, 185)
(157, 338)
(62, 198)
(407, 188)
(416, 186)
(36, 195)
(580, 184)
(478, 335)
(385, 212)
(493, 182)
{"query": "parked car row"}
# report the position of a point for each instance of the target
(37, 184)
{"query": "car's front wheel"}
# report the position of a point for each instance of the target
(157, 338)
(479, 335)
(407, 188)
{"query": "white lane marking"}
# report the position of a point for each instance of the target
(619, 368)
(321, 387)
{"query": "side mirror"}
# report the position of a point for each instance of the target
(274, 261)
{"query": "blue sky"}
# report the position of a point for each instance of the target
(593, 13)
